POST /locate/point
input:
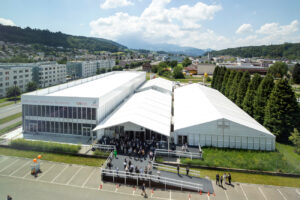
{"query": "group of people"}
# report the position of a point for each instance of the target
(226, 178)
(187, 169)
(130, 168)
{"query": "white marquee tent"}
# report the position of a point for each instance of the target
(204, 116)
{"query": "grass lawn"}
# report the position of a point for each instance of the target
(7, 104)
(10, 128)
(97, 162)
(282, 160)
(6, 99)
(11, 117)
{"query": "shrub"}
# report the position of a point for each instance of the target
(97, 152)
(45, 146)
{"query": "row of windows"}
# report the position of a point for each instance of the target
(58, 127)
(60, 112)
(15, 72)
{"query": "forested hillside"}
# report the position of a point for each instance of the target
(286, 50)
(45, 37)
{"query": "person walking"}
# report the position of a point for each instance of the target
(178, 168)
(187, 170)
(9, 197)
(217, 179)
(221, 181)
(229, 178)
(115, 153)
(144, 190)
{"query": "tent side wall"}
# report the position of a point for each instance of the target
(235, 136)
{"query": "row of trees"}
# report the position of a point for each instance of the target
(167, 70)
(16, 91)
(272, 103)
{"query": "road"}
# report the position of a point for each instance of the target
(77, 182)
(10, 110)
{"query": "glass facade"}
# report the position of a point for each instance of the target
(56, 119)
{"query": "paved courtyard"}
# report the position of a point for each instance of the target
(64, 181)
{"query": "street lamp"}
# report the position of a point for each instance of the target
(15, 82)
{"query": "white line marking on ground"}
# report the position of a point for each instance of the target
(243, 192)
(44, 172)
(262, 193)
(19, 168)
(59, 174)
(90, 188)
(74, 176)
(170, 195)
(5, 158)
(8, 166)
(281, 194)
(298, 192)
(85, 182)
(226, 195)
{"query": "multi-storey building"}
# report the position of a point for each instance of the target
(48, 74)
(82, 69)
(14, 75)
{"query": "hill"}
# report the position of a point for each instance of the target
(56, 39)
(286, 50)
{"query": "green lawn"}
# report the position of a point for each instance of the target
(7, 104)
(10, 118)
(97, 162)
(282, 160)
(6, 99)
(10, 128)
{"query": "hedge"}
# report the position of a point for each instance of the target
(45, 146)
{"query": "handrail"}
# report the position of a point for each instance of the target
(104, 146)
(161, 179)
(178, 153)
(172, 168)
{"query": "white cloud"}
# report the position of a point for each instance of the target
(276, 29)
(115, 4)
(158, 24)
(7, 22)
(245, 28)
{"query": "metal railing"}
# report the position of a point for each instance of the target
(152, 178)
(185, 154)
(173, 169)
(104, 147)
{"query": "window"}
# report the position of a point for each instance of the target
(93, 113)
(6, 78)
(21, 71)
(89, 113)
(7, 83)
(6, 73)
(26, 70)
(74, 113)
(84, 113)
(15, 72)
(79, 113)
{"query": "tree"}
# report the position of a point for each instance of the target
(31, 86)
(225, 80)
(220, 78)
(278, 70)
(186, 62)
(242, 89)
(296, 73)
(235, 85)
(163, 65)
(295, 139)
(282, 111)
(215, 77)
(250, 94)
(229, 82)
(263, 92)
(173, 63)
(13, 91)
(177, 72)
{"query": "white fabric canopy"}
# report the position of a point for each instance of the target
(160, 83)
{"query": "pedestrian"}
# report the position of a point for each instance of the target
(217, 179)
(221, 181)
(9, 197)
(115, 153)
(187, 170)
(224, 178)
(229, 178)
(144, 190)
(117, 171)
(178, 168)
(125, 164)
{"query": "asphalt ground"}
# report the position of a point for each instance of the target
(64, 181)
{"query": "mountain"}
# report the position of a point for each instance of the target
(56, 39)
(137, 43)
(286, 50)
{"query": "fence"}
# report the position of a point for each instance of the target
(164, 152)
(104, 147)
(142, 178)
(173, 169)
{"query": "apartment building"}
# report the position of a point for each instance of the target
(14, 75)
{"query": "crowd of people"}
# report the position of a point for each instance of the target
(226, 178)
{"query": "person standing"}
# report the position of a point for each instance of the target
(217, 179)
(115, 153)
(221, 180)
(229, 178)
(187, 170)
(178, 168)
(224, 178)
(9, 197)
(144, 190)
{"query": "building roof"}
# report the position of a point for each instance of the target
(95, 87)
(150, 109)
(196, 104)
(158, 83)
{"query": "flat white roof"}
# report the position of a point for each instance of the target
(158, 82)
(150, 109)
(93, 87)
(197, 104)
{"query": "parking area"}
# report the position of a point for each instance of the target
(88, 178)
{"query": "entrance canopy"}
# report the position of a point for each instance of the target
(150, 109)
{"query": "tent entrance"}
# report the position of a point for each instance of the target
(182, 139)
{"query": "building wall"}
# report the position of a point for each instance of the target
(206, 68)
(235, 136)
(50, 74)
(11, 75)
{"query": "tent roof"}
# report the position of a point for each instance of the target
(150, 109)
(158, 82)
(197, 104)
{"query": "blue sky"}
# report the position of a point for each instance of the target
(213, 24)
